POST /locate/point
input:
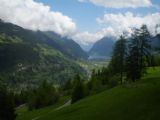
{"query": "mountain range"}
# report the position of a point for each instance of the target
(28, 56)
(31, 56)
(102, 49)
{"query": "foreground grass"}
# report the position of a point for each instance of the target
(24, 114)
(138, 101)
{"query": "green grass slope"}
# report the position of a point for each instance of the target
(24, 114)
(138, 101)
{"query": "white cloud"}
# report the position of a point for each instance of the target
(86, 38)
(125, 22)
(35, 16)
(120, 3)
(115, 24)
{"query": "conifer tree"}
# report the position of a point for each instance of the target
(117, 64)
(78, 90)
(139, 56)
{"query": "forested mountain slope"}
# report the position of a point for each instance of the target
(27, 57)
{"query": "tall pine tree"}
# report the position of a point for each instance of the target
(78, 90)
(117, 64)
(139, 55)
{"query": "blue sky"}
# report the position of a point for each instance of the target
(84, 21)
(85, 14)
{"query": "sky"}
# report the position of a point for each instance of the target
(85, 21)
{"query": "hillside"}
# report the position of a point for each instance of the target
(102, 48)
(28, 57)
(66, 46)
(69, 45)
(138, 101)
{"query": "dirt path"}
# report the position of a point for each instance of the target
(65, 105)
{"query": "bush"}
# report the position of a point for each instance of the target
(114, 81)
(7, 111)
(78, 90)
(67, 87)
(44, 95)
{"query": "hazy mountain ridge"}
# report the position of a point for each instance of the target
(156, 42)
(102, 48)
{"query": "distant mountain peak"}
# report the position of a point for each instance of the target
(102, 49)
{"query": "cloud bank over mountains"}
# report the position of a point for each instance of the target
(37, 16)
(115, 24)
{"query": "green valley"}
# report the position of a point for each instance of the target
(138, 101)
(79, 60)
